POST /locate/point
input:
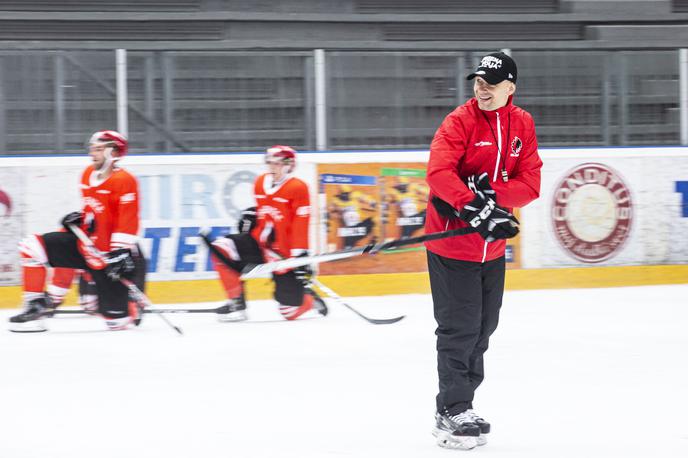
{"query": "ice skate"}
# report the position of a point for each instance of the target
(236, 310)
(318, 303)
(31, 319)
(456, 431)
(482, 424)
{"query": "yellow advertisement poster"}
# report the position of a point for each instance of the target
(375, 202)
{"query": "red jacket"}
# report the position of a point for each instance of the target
(465, 144)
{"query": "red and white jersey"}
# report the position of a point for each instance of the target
(114, 205)
(282, 215)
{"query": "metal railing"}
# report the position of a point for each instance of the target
(50, 101)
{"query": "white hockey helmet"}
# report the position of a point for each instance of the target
(116, 143)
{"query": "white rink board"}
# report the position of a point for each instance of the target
(181, 193)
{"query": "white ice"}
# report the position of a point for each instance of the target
(570, 373)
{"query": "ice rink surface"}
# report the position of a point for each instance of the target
(570, 373)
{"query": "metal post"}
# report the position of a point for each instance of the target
(320, 100)
(683, 93)
(59, 100)
(167, 96)
(122, 97)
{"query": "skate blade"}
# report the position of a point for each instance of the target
(450, 441)
(28, 326)
(481, 440)
(233, 317)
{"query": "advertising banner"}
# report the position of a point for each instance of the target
(176, 202)
(609, 209)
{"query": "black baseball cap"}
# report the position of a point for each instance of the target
(495, 68)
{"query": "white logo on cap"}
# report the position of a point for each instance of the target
(491, 62)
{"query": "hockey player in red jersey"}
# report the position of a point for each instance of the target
(278, 228)
(110, 216)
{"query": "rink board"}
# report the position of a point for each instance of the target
(404, 283)
(621, 214)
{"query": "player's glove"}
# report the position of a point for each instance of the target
(444, 209)
(481, 183)
(490, 220)
(119, 264)
(73, 219)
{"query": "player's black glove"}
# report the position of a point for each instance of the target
(481, 183)
(247, 220)
(73, 219)
(119, 264)
(490, 220)
(444, 209)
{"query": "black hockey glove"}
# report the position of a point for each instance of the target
(119, 264)
(73, 219)
(444, 209)
(481, 183)
(490, 220)
(247, 220)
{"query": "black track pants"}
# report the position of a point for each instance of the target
(466, 298)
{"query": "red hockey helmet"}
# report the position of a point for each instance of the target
(111, 138)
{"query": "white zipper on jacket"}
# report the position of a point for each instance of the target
(499, 148)
(496, 170)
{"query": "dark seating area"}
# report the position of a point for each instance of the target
(235, 75)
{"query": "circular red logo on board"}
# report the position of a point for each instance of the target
(592, 212)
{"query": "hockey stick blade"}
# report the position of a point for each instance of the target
(341, 301)
(264, 270)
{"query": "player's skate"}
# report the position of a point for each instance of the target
(31, 317)
(456, 431)
(88, 295)
(236, 310)
(318, 303)
(482, 424)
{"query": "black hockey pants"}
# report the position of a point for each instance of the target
(467, 297)
(113, 296)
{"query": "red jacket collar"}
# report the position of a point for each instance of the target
(503, 111)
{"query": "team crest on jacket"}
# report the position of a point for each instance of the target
(516, 147)
(592, 212)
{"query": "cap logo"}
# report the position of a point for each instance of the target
(491, 62)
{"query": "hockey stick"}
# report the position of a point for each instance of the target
(133, 289)
(233, 265)
(262, 270)
(219, 310)
(339, 299)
